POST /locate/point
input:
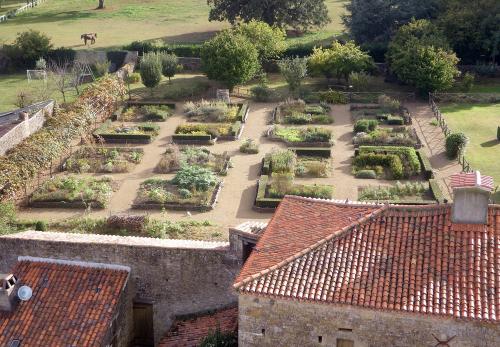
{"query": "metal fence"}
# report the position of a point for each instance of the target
(466, 167)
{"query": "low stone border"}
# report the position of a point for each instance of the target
(67, 204)
(177, 207)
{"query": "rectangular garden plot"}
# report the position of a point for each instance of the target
(214, 111)
(206, 134)
(312, 164)
(144, 112)
(411, 193)
(387, 162)
(73, 192)
(299, 113)
(176, 157)
(193, 188)
(301, 137)
(369, 133)
(127, 133)
(103, 160)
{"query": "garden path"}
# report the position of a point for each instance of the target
(434, 145)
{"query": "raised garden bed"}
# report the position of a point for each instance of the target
(387, 162)
(411, 193)
(176, 157)
(207, 134)
(299, 113)
(288, 161)
(386, 136)
(301, 137)
(123, 133)
(144, 112)
(193, 188)
(73, 192)
(103, 160)
(216, 112)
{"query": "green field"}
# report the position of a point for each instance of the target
(124, 21)
(479, 122)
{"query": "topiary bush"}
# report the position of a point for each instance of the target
(41, 225)
(169, 63)
(455, 143)
(151, 70)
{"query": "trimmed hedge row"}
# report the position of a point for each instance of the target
(425, 164)
(436, 190)
(261, 201)
(243, 112)
(312, 152)
(407, 152)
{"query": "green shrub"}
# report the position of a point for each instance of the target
(283, 161)
(219, 339)
(262, 93)
(101, 68)
(333, 97)
(388, 104)
(467, 82)
(155, 113)
(7, 217)
(169, 63)
(41, 225)
(360, 81)
(310, 134)
(426, 165)
(436, 190)
(249, 146)
(28, 47)
(195, 178)
(133, 78)
(151, 70)
(312, 191)
(455, 143)
(365, 125)
(366, 174)
(395, 120)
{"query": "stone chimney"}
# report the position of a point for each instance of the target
(471, 195)
(8, 294)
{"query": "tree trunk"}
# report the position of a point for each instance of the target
(101, 5)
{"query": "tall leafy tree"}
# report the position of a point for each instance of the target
(372, 22)
(419, 55)
(269, 40)
(298, 14)
(294, 70)
(230, 58)
(473, 29)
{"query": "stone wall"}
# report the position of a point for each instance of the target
(272, 322)
(178, 277)
(190, 63)
(25, 128)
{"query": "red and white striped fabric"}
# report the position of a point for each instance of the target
(471, 179)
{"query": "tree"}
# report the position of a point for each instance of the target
(294, 70)
(230, 58)
(339, 60)
(298, 14)
(100, 6)
(29, 46)
(420, 56)
(151, 69)
(269, 40)
(473, 29)
(62, 76)
(372, 22)
(169, 64)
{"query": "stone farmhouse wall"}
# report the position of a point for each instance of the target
(178, 277)
(24, 128)
(274, 322)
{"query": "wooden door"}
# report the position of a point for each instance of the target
(143, 325)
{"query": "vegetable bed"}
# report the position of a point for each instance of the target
(103, 160)
(121, 133)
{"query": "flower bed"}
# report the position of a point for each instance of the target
(192, 188)
(288, 161)
(397, 136)
(176, 157)
(302, 137)
(298, 112)
(145, 112)
(121, 133)
(386, 161)
(103, 159)
(412, 193)
(206, 133)
(73, 192)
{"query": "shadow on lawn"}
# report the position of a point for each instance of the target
(491, 143)
(51, 17)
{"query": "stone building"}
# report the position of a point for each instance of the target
(325, 273)
(48, 302)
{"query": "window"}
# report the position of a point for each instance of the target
(263, 331)
(345, 343)
(320, 339)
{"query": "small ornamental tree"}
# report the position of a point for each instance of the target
(29, 46)
(269, 40)
(419, 55)
(455, 143)
(151, 69)
(230, 58)
(294, 70)
(169, 64)
(339, 60)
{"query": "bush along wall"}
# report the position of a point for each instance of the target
(36, 152)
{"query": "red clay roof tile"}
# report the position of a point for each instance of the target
(403, 258)
(71, 305)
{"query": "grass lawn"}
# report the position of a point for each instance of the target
(172, 21)
(12, 85)
(479, 122)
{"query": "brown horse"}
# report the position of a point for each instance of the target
(89, 37)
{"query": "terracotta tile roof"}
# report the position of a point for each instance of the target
(72, 305)
(290, 229)
(472, 179)
(403, 258)
(190, 332)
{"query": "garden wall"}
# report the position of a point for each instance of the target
(177, 276)
(23, 129)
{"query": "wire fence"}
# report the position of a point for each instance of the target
(466, 166)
